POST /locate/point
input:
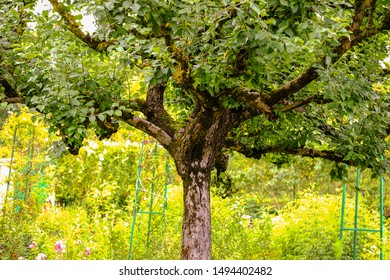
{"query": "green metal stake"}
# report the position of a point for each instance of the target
(137, 188)
(9, 175)
(356, 212)
(12, 158)
(355, 229)
(167, 174)
(30, 150)
(343, 206)
(343, 211)
(150, 212)
(381, 214)
(152, 194)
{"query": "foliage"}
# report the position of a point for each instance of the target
(279, 185)
(91, 236)
(257, 77)
(256, 223)
(110, 164)
(309, 229)
(275, 186)
(239, 235)
(26, 149)
(215, 48)
(16, 233)
(305, 229)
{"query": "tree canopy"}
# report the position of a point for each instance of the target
(279, 77)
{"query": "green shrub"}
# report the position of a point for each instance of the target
(104, 237)
(106, 171)
(16, 233)
(237, 235)
(309, 230)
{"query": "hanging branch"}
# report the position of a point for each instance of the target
(257, 153)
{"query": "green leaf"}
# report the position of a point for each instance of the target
(271, 21)
(255, 8)
(303, 25)
(101, 116)
(92, 118)
(284, 2)
(328, 60)
(277, 46)
(135, 7)
(127, 4)
(31, 55)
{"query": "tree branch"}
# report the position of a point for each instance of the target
(304, 152)
(253, 100)
(356, 36)
(12, 100)
(148, 127)
(9, 90)
(158, 123)
(182, 72)
(155, 111)
(301, 103)
(74, 27)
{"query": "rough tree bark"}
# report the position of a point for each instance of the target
(195, 153)
(196, 240)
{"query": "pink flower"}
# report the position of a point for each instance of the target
(32, 245)
(87, 251)
(41, 256)
(59, 247)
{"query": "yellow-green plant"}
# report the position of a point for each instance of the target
(309, 229)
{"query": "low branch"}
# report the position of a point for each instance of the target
(152, 108)
(136, 104)
(12, 100)
(148, 127)
(303, 152)
(293, 86)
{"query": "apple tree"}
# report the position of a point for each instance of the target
(206, 78)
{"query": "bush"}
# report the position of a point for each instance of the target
(237, 235)
(105, 170)
(309, 230)
(16, 233)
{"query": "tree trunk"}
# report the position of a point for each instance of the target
(196, 241)
(196, 154)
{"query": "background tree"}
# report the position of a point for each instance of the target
(251, 76)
